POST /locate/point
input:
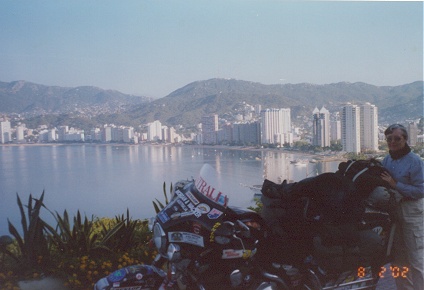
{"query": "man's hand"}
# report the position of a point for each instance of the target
(387, 177)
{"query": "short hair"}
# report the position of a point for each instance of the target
(390, 129)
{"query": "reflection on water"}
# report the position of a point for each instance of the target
(106, 180)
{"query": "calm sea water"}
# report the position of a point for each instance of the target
(105, 181)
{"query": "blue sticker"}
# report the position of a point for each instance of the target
(214, 214)
(163, 217)
(117, 276)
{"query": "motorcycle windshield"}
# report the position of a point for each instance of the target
(199, 201)
(207, 184)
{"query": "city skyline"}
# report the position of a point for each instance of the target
(152, 48)
(356, 125)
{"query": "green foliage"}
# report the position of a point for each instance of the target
(79, 252)
(121, 234)
(158, 205)
(33, 244)
(258, 205)
(76, 238)
(356, 156)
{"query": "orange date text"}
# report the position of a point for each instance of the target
(394, 271)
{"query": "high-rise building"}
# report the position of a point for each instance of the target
(335, 130)
(128, 134)
(5, 133)
(20, 136)
(107, 134)
(247, 133)
(321, 127)
(369, 127)
(225, 134)
(209, 129)
(275, 124)
(154, 131)
(351, 129)
(412, 128)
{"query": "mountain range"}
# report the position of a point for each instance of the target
(186, 105)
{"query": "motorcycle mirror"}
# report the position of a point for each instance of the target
(226, 229)
(244, 229)
(224, 233)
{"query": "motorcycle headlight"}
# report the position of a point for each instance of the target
(222, 240)
(173, 252)
(159, 237)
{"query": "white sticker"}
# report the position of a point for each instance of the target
(185, 237)
(232, 254)
(203, 208)
(192, 198)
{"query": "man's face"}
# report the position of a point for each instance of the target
(396, 140)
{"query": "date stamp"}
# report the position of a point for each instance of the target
(394, 271)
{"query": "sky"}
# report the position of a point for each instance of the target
(152, 48)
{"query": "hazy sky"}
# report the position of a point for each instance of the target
(155, 47)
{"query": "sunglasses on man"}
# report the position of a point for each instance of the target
(393, 139)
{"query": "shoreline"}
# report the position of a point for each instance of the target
(315, 156)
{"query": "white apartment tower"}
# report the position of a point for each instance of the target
(351, 129)
(276, 125)
(154, 131)
(20, 136)
(209, 129)
(335, 130)
(321, 127)
(412, 128)
(369, 127)
(5, 133)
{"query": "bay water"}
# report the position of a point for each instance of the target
(106, 180)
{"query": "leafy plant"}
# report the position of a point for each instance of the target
(33, 244)
(75, 238)
(258, 206)
(158, 205)
(121, 235)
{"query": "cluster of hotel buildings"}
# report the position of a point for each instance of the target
(355, 126)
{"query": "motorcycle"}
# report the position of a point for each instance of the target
(318, 233)
(202, 243)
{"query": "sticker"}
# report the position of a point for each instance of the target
(117, 276)
(197, 228)
(214, 214)
(185, 237)
(203, 208)
(132, 269)
(192, 198)
(177, 215)
(185, 200)
(163, 217)
(183, 206)
(176, 237)
(139, 276)
(232, 254)
(181, 195)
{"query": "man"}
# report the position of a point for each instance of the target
(407, 177)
